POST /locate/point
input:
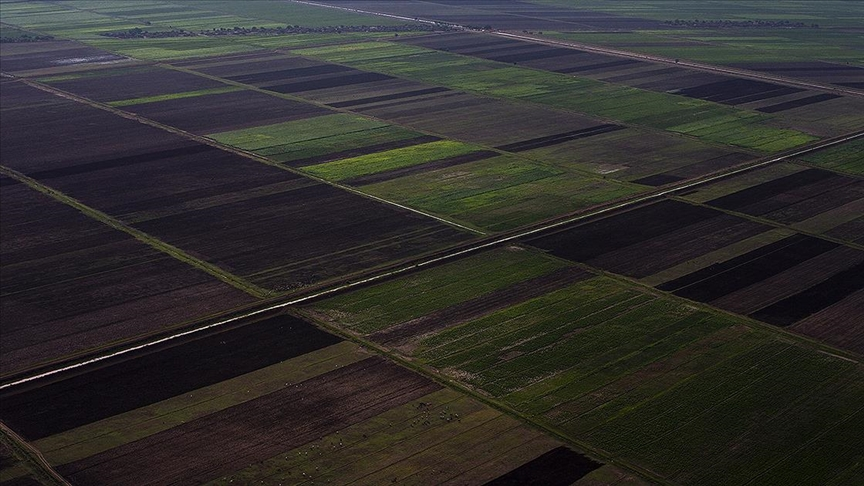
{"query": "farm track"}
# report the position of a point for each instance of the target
(33, 456)
(625, 54)
(361, 279)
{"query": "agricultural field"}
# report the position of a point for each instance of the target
(825, 113)
(245, 405)
(621, 369)
(192, 198)
(706, 120)
(127, 288)
(529, 242)
(823, 31)
(847, 157)
(807, 284)
(807, 199)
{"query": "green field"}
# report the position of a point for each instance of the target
(378, 307)
(706, 120)
(273, 136)
(692, 395)
(630, 154)
(389, 160)
(847, 157)
(315, 137)
(502, 192)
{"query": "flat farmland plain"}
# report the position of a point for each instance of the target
(245, 405)
(191, 197)
(709, 121)
(171, 164)
(692, 395)
(818, 112)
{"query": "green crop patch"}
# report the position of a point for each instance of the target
(696, 396)
(389, 160)
(378, 307)
(847, 157)
(280, 134)
(173, 96)
(500, 193)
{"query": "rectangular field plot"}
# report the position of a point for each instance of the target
(220, 112)
(784, 282)
(501, 192)
(322, 139)
(619, 368)
(708, 120)
(810, 199)
(352, 170)
(637, 156)
(480, 120)
(275, 401)
(54, 55)
(729, 262)
(122, 287)
(645, 241)
(847, 157)
(272, 227)
(131, 83)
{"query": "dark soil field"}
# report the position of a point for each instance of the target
(794, 198)
(225, 111)
(192, 196)
(56, 54)
(558, 467)
(124, 288)
(783, 283)
(482, 120)
(831, 324)
(255, 430)
(810, 301)
(134, 83)
(718, 280)
(368, 149)
(818, 71)
(644, 241)
(390, 97)
(156, 376)
(559, 138)
(476, 308)
(328, 232)
(788, 105)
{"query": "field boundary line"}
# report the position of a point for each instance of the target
(139, 235)
(844, 358)
(32, 455)
(495, 241)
